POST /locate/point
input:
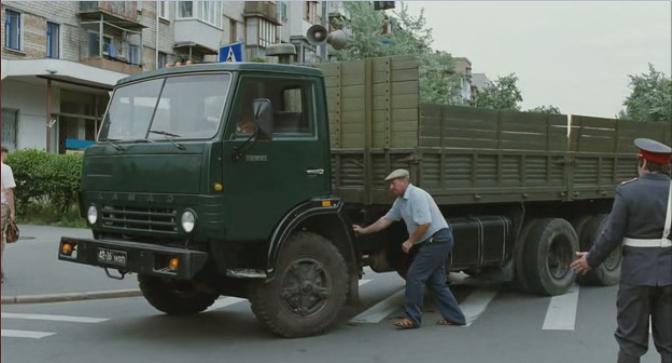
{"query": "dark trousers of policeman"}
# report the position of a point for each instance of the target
(428, 268)
(635, 305)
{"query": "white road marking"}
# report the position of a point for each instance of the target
(378, 312)
(224, 302)
(228, 301)
(9, 333)
(475, 304)
(48, 317)
(561, 313)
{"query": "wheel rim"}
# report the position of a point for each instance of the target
(306, 287)
(559, 258)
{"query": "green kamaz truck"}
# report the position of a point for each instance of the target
(244, 180)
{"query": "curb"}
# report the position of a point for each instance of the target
(73, 296)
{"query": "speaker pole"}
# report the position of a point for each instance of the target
(323, 46)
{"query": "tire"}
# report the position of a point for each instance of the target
(308, 290)
(174, 297)
(550, 247)
(519, 278)
(609, 272)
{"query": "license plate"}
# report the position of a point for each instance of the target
(112, 257)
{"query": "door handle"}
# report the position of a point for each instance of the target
(314, 171)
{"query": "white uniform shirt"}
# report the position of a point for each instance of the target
(7, 180)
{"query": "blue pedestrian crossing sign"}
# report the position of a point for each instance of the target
(231, 53)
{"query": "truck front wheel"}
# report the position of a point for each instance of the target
(308, 290)
(550, 247)
(174, 297)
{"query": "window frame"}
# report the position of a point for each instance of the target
(309, 99)
(164, 9)
(206, 11)
(58, 40)
(8, 34)
(139, 54)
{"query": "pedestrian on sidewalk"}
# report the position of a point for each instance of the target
(640, 222)
(8, 211)
(428, 230)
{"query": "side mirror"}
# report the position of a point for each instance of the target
(263, 118)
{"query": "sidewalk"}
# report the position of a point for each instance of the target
(33, 272)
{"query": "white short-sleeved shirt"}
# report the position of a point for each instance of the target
(416, 207)
(7, 180)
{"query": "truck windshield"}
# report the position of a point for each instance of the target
(188, 107)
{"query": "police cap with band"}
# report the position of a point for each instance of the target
(399, 173)
(653, 151)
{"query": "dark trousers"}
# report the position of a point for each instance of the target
(428, 268)
(636, 304)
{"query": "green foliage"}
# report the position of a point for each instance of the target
(651, 97)
(439, 84)
(409, 35)
(43, 178)
(547, 109)
(502, 95)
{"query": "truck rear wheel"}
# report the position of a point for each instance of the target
(609, 272)
(308, 290)
(174, 297)
(550, 247)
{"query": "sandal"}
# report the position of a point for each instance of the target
(446, 322)
(405, 324)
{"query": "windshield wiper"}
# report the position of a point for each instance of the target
(169, 136)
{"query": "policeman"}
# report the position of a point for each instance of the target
(640, 221)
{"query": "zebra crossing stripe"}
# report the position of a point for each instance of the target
(378, 312)
(561, 313)
(224, 302)
(48, 317)
(9, 333)
(230, 300)
(475, 304)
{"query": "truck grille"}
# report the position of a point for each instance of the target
(139, 218)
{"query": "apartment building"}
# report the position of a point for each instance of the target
(61, 59)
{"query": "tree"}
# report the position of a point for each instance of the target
(408, 35)
(651, 97)
(503, 94)
(547, 109)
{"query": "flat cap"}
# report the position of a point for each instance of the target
(653, 150)
(399, 173)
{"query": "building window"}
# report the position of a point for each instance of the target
(282, 11)
(163, 60)
(53, 40)
(163, 9)
(134, 54)
(311, 12)
(12, 29)
(9, 121)
(185, 9)
(209, 11)
(267, 33)
(233, 31)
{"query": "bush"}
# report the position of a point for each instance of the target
(43, 178)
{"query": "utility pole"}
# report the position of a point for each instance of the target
(323, 46)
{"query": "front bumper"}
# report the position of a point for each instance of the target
(127, 256)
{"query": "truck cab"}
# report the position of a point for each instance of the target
(201, 174)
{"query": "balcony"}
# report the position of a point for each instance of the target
(263, 9)
(112, 65)
(119, 13)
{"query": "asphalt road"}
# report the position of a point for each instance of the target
(505, 326)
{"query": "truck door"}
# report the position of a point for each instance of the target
(272, 176)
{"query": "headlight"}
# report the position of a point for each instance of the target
(188, 221)
(92, 214)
